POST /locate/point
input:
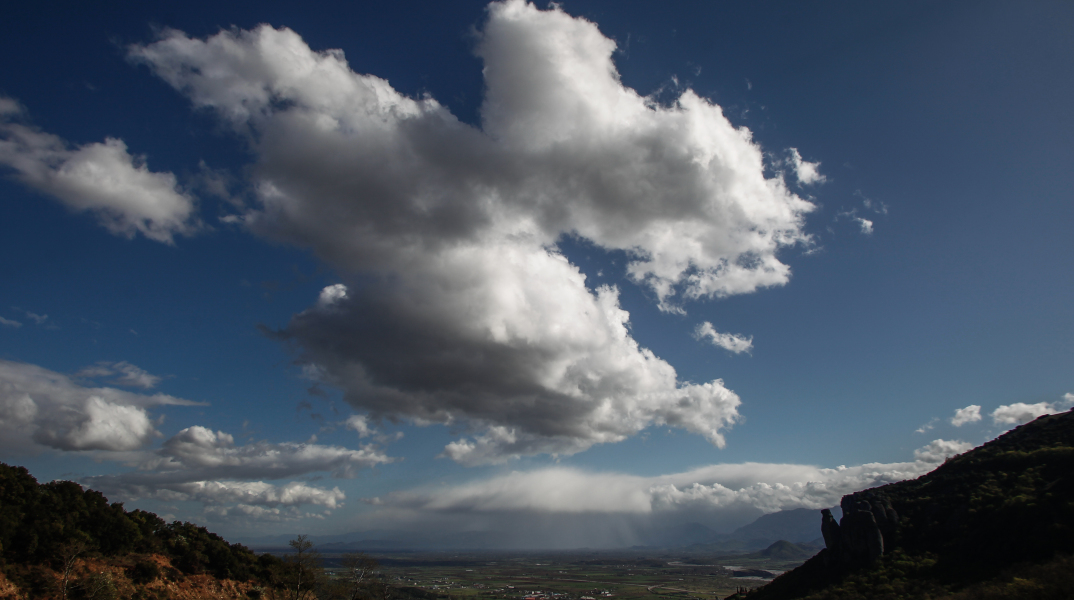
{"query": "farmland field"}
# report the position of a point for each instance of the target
(573, 575)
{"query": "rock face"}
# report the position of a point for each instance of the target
(858, 538)
(829, 529)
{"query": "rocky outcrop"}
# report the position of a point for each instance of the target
(858, 538)
(829, 528)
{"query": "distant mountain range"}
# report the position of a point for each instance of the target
(800, 525)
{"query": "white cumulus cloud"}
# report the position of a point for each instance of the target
(728, 341)
(39, 407)
(456, 306)
(97, 425)
(103, 178)
(940, 450)
(970, 414)
(1020, 412)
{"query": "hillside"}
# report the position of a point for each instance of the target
(59, 541)
(995, 522)
(784, 550)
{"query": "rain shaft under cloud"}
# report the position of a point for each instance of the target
(455, 305)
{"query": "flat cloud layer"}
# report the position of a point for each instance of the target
(769, 487)
(201, 454)
(547, 507)
(39, 408)
(201, 465)
(456, 306)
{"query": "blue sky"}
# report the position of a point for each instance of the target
(399, 266)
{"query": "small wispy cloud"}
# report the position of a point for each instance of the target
(728, 341)
(928, 426)
(10, 323)
(125, 374)
(808, 173)
(865, 226)
(36, 318)
(360, 424)
(871, 204)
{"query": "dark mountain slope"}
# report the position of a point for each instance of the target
(784, 550)
(984, 520)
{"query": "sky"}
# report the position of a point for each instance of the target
(573, 274)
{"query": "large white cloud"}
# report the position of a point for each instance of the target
(39, 407)
(103, 178)
(456, 305)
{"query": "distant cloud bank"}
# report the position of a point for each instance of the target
(558, 507)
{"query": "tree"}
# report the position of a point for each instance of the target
(99, 586)
(360, 580)
(301, 570)
(68, 552)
